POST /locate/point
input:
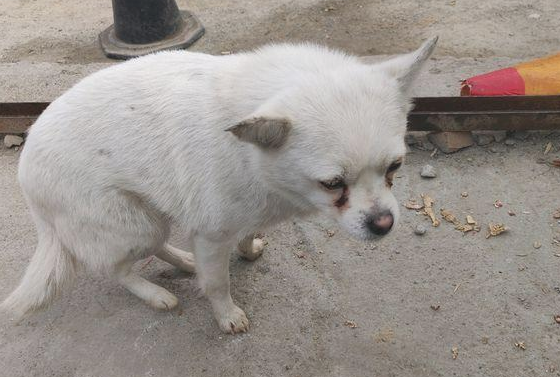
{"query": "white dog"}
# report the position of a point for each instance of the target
(221, 145)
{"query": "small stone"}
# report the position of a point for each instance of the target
(428, 171)
(330, 233)
(464, 194)
(498, 148)
(12, 141)
(509, 142)
(557, 318)
(537, 245)
(500, 136)
(484, 139)
(449, 142)
(420, 230)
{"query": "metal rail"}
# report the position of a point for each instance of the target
(429, 114)
(485, 113)
(16, 117)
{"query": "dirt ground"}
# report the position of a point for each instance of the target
(492, 293)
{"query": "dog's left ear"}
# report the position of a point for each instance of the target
(267, 133)
(405, 67)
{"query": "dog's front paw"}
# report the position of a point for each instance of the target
(233, 321)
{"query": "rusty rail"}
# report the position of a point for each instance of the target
(16, 117)
(485, 113)
(430, 114)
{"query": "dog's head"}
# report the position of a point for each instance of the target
(334, 141)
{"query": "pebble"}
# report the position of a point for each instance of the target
(420, 230)
(428, 171)
(509, 142)
(498, 148)
(537, 245)
(12, 141)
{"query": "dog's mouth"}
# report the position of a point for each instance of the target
(362, 233)
(369, 236)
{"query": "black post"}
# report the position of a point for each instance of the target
(144, 26)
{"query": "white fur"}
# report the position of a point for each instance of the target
(131, 148)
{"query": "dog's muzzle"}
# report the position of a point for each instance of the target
(380, 223)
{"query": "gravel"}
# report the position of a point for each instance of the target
(500, 136)
(428, 171)
(484, 139)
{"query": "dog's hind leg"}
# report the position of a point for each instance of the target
(250, 248)
(181, 259)
(156, 296)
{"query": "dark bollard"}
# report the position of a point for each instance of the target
(144, 26)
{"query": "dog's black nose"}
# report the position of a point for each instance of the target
(380, 223)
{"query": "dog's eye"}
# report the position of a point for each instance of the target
(394, 166)
(333, 184)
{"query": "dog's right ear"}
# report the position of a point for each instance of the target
(267, 133)
(404, 68)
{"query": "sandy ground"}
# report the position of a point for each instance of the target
(492, 293)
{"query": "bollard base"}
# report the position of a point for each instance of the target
(117, 49)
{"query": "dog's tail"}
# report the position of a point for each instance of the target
(49, 270)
